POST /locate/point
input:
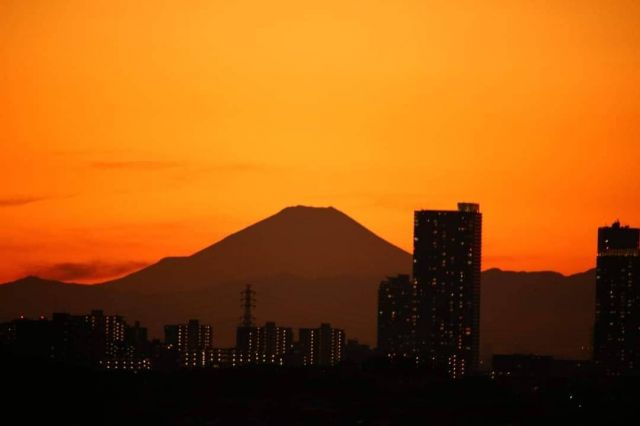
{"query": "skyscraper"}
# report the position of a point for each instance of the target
(446, 268)
(396, 316)
(617, 321)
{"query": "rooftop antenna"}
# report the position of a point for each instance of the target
(248, 303)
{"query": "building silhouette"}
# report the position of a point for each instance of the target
(191, 336)
(192, 342)
(616, 342)
(136, 339)
(263, 345)
(322, 346)
(27, 338)
(107, 334)
(93, 340)
(396, 317)
(446, 268)
(356, 352)
(72, 340)
(536, 367)
(268, 344)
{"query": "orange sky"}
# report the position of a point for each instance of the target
(130, 131)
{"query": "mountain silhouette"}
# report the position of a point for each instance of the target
(311, 265)
(303, 242)
(308, 265)
(537, 312)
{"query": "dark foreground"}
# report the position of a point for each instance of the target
(375, 395)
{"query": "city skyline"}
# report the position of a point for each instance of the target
(130, 139)
(100, 341)
(327, 266)
(79, 273)
(431, 319)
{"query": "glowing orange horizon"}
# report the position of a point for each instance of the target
(131, 132)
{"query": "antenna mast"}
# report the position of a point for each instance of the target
(248, 303)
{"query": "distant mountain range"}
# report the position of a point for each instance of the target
(310, 265)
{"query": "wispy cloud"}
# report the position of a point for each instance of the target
(226, 170)
(134, 165)
(231, 167)
(240, 168)
(87, 271)
(243, 167)
(19, 201)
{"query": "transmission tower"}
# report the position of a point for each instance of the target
(248, 303)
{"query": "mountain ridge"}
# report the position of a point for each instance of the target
(37, 279)
(308, 242)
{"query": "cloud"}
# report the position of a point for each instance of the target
(241, 167)
(24, 200)
(19, 201)
(223, 170)
(236, 168)
(87, 271)
(194, 169)
(134, 165)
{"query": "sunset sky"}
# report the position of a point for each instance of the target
(134, 130)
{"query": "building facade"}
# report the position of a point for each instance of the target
(108, 332)
(192, 336)
(396, 317)
(446, 268)
(616, 340)
(91, 340)
(322, 346)
(264, 345)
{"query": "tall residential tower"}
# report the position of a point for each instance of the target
(322, 346)
(396, 317)
(616, 343)
(446, 268)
